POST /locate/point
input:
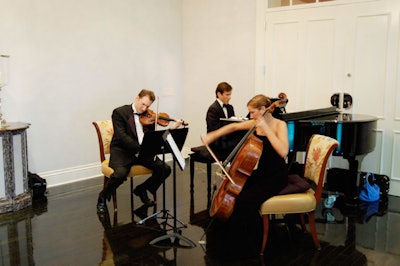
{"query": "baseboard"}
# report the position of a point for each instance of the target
(70, 175)
(394, 187)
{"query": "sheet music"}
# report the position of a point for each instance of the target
(175, 151)
(234, 119)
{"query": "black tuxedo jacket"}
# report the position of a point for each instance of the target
(215, 113)
(124, 144)
(225, 144)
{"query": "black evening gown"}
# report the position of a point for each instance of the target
(240, 237)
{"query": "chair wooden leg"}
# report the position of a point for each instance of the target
(191, 175)
(303, 222)
(208, 185)
(155, 198)
(311, 221)
(115, 220)
(265, 233)
(114, 196)
(131, 184)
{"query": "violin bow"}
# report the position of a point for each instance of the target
(156, 121)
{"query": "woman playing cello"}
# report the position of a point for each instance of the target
(240, 235)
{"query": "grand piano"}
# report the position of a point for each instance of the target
(354, 132)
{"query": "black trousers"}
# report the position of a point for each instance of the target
(160, 170)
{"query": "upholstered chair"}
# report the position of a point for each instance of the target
(319, 150)
(105, 131)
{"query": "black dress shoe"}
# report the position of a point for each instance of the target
(101, 206)
(142, 193)
(141, 212)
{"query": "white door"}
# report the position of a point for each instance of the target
(314, 51)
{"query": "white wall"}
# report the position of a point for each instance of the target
(73, 61)
(218, 45)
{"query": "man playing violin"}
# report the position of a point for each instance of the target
(125, 146)
(240, 234)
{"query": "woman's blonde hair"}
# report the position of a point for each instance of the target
(258, 101)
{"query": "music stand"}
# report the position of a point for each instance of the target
(154, 144)
(175, 140)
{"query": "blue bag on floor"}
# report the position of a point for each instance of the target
(383, 181)
(370, 191)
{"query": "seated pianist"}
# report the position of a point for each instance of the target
(219, 110)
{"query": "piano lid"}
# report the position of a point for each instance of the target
(342, 118)
(330, 114)
(308, 114)
(354, 132)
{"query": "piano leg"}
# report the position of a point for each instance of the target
(352, 189)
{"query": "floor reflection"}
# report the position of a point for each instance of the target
(123, 244)
(66, 230)
(287, 241)
(16, 240)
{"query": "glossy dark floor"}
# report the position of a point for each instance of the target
(65, 230)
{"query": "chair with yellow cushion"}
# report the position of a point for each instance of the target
(105, 131)
(318, 152)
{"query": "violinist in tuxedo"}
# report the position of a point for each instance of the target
(125, 146)
(221, 108)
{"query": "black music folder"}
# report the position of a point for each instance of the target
(154, 142)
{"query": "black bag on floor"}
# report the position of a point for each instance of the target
(38, 186)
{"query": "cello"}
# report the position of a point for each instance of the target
(247, 153)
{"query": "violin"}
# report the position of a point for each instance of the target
(247, 153)
(162, 119)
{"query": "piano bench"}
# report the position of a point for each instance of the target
(201, 155)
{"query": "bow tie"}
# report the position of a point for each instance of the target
(225, 105)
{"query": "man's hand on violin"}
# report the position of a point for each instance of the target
(179, 123)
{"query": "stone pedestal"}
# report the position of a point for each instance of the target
(14, 190)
